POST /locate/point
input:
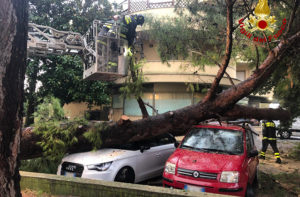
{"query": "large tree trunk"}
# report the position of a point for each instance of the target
(30, 149)
(13, 40)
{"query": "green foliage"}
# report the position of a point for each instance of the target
(62, 77)
(41, 165)
(285, 78)
(198, 34)
(49, 110)
(94, 134)
(56, 139)
(59, 13)
(134, 84)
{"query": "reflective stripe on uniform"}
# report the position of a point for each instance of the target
(262, 153)
(277, 155)
(101, 42)
(127, 19)
(265, 138)
(122, 35)
(270, 124)
(271, 138)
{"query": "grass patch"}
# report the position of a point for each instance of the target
(269, 187)
(291, 180)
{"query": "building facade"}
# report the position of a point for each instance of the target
(168, 87)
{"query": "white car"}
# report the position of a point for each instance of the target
(131, 163)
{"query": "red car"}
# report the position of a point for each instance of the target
(214, 158)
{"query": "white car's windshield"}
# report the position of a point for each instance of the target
(214, 140)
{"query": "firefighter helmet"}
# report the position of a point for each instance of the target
(140, 19)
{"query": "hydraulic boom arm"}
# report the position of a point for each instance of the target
(102, 52)
(43, 41)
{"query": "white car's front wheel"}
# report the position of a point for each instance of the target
(125, 175)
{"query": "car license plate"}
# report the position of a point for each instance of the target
(70, 174)
(194, 188)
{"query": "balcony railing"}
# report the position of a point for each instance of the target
(131, 6)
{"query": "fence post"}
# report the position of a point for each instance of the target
(129, 7)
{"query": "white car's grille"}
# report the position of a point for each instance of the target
(73, 169)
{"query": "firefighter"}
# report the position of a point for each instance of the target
(269, 137)
(128, 27)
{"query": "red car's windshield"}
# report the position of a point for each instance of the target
(214, 140)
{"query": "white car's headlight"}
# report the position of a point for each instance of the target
(100, 166)
(229, 177)
(170, 168)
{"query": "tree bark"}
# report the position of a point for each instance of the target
(13, 40)
(134, 79)
(229, 30)
(29, 148)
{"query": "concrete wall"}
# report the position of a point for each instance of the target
(60, 185)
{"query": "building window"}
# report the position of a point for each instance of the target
(171, 101)
(131, 106)
(241, 75)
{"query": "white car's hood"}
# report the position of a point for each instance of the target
(100, 156)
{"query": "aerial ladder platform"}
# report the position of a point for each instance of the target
(103, 54)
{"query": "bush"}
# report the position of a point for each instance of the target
(56, 136)
(49, 110)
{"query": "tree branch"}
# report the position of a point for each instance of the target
(257, 57)
(226, 59)
(147, 104)
(260, 75)
(217, 63)
(291, 20)
(240, 111)
(267, 40)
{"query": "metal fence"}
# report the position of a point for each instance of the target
(132, 6)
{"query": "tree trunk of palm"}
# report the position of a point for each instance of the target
(13, 40)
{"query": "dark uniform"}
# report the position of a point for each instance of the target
(269, 137)
(128, 27)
